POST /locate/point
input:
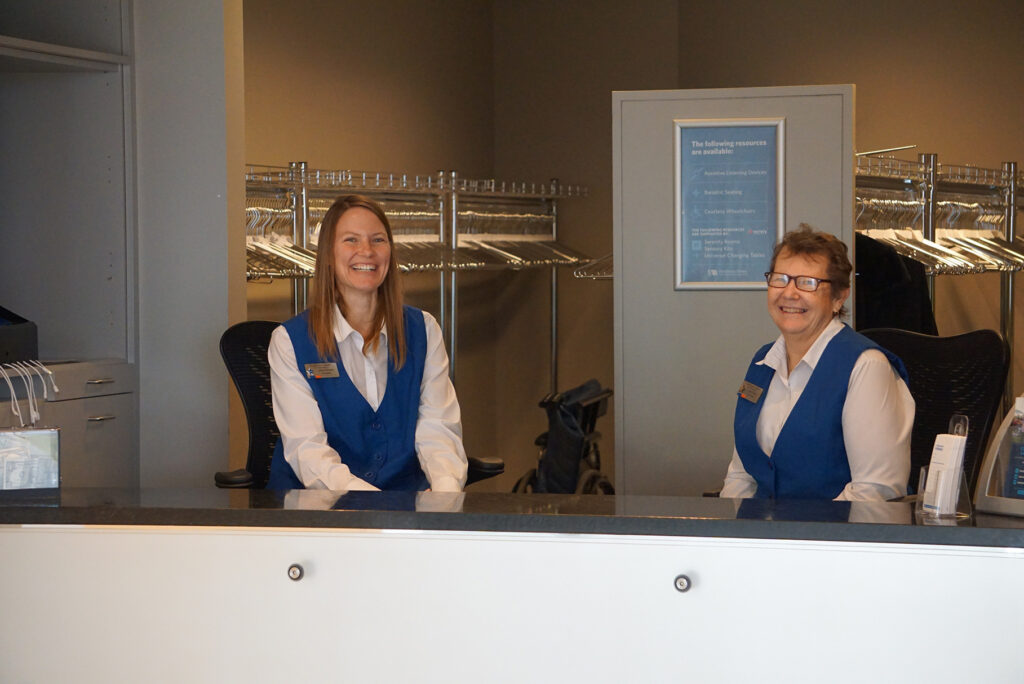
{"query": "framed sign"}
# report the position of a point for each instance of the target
(729, 209)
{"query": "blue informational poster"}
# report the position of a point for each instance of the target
(729, 211)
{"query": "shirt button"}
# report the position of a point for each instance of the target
(369, 474)
(375, 425)
(378, 457)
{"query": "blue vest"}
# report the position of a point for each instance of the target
(809, 459)
(377, 446)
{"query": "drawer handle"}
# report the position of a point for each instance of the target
(100, 419)
(99, 381)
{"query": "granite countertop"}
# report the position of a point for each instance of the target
(576, 514)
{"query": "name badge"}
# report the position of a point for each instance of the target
(321, 370)
(750, 392)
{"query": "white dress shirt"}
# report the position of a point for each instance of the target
(877, 419)
(438, 428)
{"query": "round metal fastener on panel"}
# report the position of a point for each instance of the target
(295, 572)
(683, 583)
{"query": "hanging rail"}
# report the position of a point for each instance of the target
(441, 223)
(403, 182)
(500, 225)
(953, 219)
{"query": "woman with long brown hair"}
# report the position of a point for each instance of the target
(360, 382)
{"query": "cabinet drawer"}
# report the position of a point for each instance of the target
(93, 378)
(97, 440)
(77, 379)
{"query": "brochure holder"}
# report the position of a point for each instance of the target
(943, 488)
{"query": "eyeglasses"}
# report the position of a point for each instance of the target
(805, 283)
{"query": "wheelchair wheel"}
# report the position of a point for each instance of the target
(594, 482)
(527, 483)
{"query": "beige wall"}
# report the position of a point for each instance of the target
(520, 95)
(401, 86)
(556, 65)
(521, 89)
(943, 75)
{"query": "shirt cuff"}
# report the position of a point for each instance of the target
(362, 486)
(353, 484)
(734, 489)
(445, 483)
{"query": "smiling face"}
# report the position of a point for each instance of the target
(799, 315)
(362, 254)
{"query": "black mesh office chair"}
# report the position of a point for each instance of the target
(960, 374)
(243, 347)
(570, 460)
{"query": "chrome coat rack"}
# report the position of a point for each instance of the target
(955, 220)
(441, 223)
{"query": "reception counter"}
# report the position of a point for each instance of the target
(221, 585)
(471, 512)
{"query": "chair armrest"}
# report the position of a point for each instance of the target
(483, 468)
(236, 479)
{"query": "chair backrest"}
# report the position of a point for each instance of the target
(960, 374)
(243, 347)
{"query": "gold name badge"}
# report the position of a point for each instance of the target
(321, 370)
(750, 392)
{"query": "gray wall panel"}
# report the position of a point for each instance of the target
(680, 355)
(184, 224)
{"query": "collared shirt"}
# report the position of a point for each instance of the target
(877, 420)
(438, 428)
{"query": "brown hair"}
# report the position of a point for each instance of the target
(325, 289)
(808, 241)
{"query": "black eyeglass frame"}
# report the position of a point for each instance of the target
(795, 279)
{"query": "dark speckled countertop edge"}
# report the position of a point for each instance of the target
(681, 517)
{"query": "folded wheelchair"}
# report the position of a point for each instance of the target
(570, 460)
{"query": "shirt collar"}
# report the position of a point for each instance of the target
(776, 356)
(343, 329)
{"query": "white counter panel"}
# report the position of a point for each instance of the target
(175, 604)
